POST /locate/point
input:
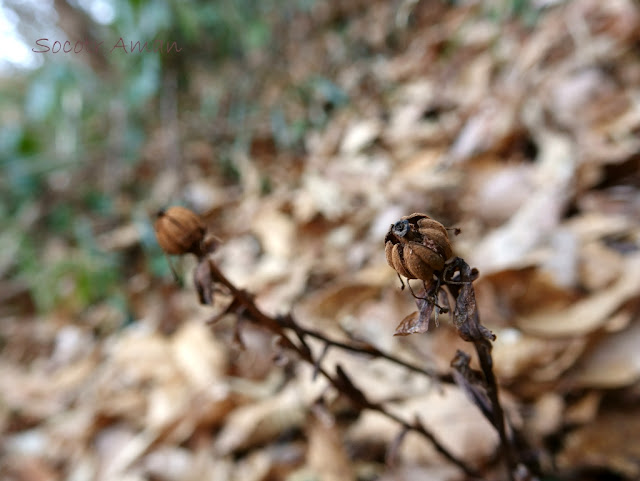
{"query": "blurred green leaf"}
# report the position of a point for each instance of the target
(60, 219)
(61, 123)
(98, 203)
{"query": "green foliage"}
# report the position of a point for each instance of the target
(66, 125)
(76, 282)
(527, 11)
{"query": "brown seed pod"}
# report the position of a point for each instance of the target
(417, 246)
(179, 231)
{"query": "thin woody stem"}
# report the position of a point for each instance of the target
(373, 351)
(483, 348)
(278, 326)
(459, 277)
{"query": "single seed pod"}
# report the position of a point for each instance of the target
(179, 231)
(417, 246)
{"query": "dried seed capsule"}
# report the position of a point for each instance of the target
(179, 231)
(417, 246)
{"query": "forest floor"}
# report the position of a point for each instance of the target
(523, 131)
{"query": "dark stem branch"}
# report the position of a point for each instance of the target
(483, 348)
(459, 277)
(340, 381)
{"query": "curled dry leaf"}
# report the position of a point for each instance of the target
(326, 454)
(547, 415)
(416, 322)
(201, 357)
(432, 300)
(590, 314)
(491, 182)
(488, 128)
(261, 421)
(275, 230)
(203, 281)
(359, 135)
(520, 356)
(605, 443)
(446, 412)
(472, 383)
(337, 300)
(170, 464)
(600, 266)
(613, 363)
(512, 244)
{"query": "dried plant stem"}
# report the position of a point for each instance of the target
(243, 303)
(483, 348)
(459, 277)
(368, 349)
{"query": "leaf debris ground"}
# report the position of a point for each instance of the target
(524, 137)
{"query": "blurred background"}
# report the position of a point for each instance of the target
(300, 130)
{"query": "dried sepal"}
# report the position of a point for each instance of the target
(203, 280)
(418, 322)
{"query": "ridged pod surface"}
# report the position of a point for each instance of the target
(179, 231)
(417, 246)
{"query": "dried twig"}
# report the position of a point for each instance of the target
(416, 247)
(340, 381)
(459, 277)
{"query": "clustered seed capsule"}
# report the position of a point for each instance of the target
(417, 246)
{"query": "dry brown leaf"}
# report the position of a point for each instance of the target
(585, 409)
(319, 195)
(202, 358)
(206, 194)
(326, 455)
(275, 230)
(504, 294)
(261, 421)
(116, 447)
(589, 314)
(28, 468)
(613, 363)
(121, 238)
(336, 300)
(413, 472)
(600, 266)
(486, 130)
(512, 244)
(413, 323)
(359, 135)
(517, 354)
(490, 183)
(447, 413)
(546, 416)
(255, 467)
(166, 403)
(34, 394)
(594, 226)
(608, 443)
(422, 172)
(378, 379)
(171, 464)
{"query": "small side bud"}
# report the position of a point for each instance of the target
(179, 231)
